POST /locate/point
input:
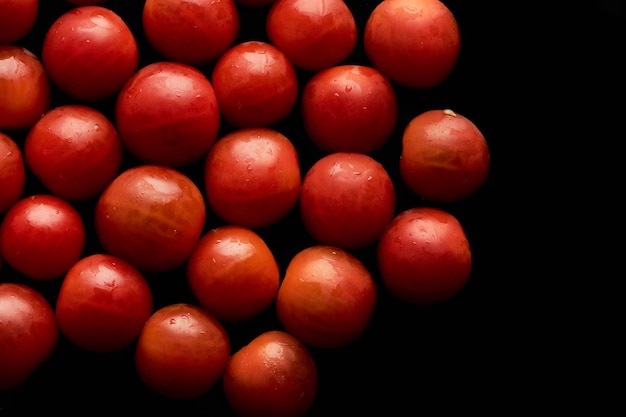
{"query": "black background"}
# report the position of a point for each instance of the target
(518, 70)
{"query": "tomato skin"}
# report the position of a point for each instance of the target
(29, 333)
(273, 375)
(151, 216)
(424, 256)
(17, 18)
(42, 236)
(89, 53)
(12, 172)
(416, 43)
(326, 298)
(182, 351)
(74, 150)
(103, 303)
(349, 108)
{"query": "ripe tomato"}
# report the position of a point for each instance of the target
(89, 53)
(347, 199)
(42, 236)
(314, 34)
(424, 256)
(17, 18)
(255, 84)
(103, 303)
(273, 375)
(232, 273)
(252, 177)
(29, 333)
(182, 351)
(74, 150)
(167, 114)
(349, 108)
(326, 297)
(24, 88)
(416, 43)
(445, 157)
(12, 172)
(193, 32)
(151, 216)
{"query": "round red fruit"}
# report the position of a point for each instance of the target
(12, 172)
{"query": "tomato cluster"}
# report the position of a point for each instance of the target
(225, 194)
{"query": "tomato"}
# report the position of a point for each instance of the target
(12, 172)
(25, 91)
(89, 53)
(74, 150)
(255, 84)
(151, 216)
(349, 108)
(424, 256)
(168, 114)
(17, 19)
(42, 236)
(326, 298)
(232, 273)
(29, 333)
(314, 34)
(193, 32)
(103, 303)
(445, 157)
(252, 177)
(182, 351)
(416, 43)
(347, 199)
(273, 375)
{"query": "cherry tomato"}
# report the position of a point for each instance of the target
(255, 84)
(42, 236)
(314, 34)
(89, 53)
(424, 256)
(326, 298)
(17, 18)
(29, 333)
(167, 114)
(232, 273)
(182, 351)
(12, 172)
(347, 199)
(416, 43)
(103, 303)
(74, 150)
(151, 216)
(273, 375)
(445, 157)
(25, 92)
(349, 108)
(252, 177)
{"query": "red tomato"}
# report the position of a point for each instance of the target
(182, 351)
(74, 150)
(194, 32)
(445, 157)
(29, 333)
(151, 216)
(424, 256)
(314, 34)
(17, 18)
(24, 88)
(349, 108)
(167, 114)
(89, 52)
(103, 303)
(42, 236)
(12, 173)
(416, 43)
(232, 273)
(252, 177)
(273, 375)
(326, 297)
(255, 83)
(347, 199)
